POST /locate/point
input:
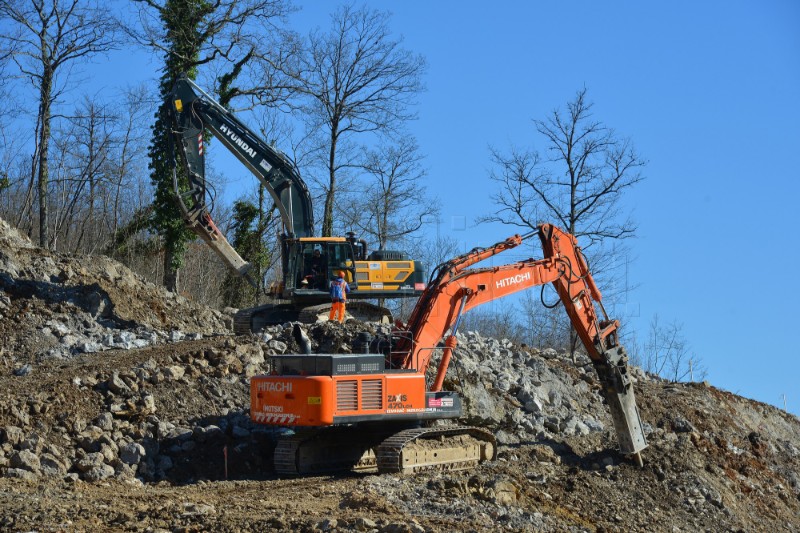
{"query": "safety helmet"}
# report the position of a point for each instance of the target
(341, 273)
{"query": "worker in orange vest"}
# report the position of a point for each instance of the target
(339, 290)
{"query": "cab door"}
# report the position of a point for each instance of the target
(340, 257)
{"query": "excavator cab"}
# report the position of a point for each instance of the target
(314, 262)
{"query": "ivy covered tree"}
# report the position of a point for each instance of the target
(181, 19)
(191, 34)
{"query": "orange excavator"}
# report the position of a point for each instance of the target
(374, 410)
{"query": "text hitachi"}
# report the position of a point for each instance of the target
(235, 138)
(275, 386)
(513, 280)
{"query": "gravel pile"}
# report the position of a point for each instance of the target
(151, 421)
(527, 394)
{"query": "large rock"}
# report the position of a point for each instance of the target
(117, 385)
(105, 421)
(529, 399)
(481, 406)
(25, 460)
(52, 466)
(174, 372)
(90, 461)
(98, 473)
(504, 493)
(21, 473)
(93, 467)
(89, 439)
(11, 434)
(132, 453)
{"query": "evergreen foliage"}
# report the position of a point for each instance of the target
(181, 20)
(249, 228)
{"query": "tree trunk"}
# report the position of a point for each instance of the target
(170, 272)
(44, 140)
(327, 216)
(26, 213)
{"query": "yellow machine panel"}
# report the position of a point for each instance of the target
(383, 275)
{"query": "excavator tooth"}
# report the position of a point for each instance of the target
(637, 457)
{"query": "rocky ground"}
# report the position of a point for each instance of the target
(125, 407)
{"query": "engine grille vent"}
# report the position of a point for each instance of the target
(371, 393)
(346, 395)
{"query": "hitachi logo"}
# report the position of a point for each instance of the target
(239, 142)
(275, 386)
(519, 278)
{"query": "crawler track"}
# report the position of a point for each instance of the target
(327, 451)
(364, 311)
(439, 449)
(407, 451)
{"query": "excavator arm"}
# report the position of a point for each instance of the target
(194, 112)
(455, 289)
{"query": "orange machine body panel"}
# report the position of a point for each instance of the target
(329, 400)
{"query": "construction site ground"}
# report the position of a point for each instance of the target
(125, 407)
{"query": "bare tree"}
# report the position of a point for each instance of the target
(80, 180)
(128, 168)
(499, 320)
(544, 323)
(48, 35)
(353, 79)
(579, 183)
(437, 248)
(666, 352)
(8, 111)
(395, 205)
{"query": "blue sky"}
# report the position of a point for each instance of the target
(708, 93)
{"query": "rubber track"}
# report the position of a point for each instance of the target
(286, 456)
(390, 451)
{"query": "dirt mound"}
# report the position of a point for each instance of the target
(117, 411)
(59, 305)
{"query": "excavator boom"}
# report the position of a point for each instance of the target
(456, 289)
(195, 112)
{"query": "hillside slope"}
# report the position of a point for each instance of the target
(119, 403)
